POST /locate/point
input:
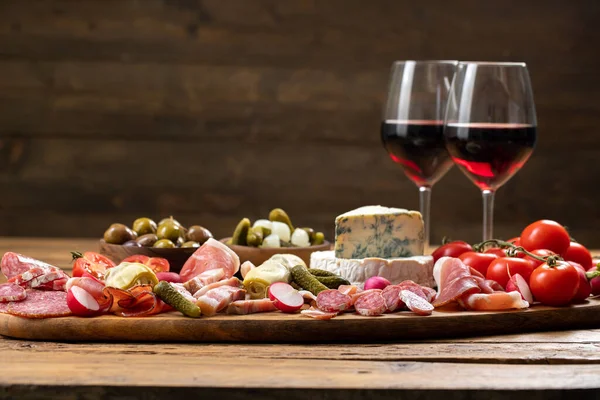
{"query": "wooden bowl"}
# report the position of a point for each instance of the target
(258, 255)
(176, 257)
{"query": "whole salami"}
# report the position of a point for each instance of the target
(14, 264)
(370, 304)
(333, 301)
(11, 292)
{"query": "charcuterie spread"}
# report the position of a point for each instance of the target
(377, 267)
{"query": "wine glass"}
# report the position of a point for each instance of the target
(490, 128)
(413, 124)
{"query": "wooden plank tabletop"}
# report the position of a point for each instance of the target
(536, 365)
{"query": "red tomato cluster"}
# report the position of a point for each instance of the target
(552, 283)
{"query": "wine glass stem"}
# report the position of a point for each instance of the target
(425, 202)
(488, 214)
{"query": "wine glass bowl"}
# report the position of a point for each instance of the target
(490, 126)
(412, 128)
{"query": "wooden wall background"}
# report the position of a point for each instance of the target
(218, 109)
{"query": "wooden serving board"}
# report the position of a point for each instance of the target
(279, 327)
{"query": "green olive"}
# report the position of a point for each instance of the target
(142, 226)
(164, 244)
(241, 230)
(119, 234)
(277, 214)
(319, 239)
(169, 230)
(311, 233)
(170, 219)
(148, 239)
(190, 243)
(254, 236)
(197, 233)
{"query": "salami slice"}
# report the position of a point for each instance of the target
(413, 287)
(333, 301)
(391, 296)
(11, 292)
(416, 303)
(370, 304)
(41, 304)
(431, 293)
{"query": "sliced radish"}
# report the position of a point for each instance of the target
(81, 303)
(169, 277)
(285, 297)
(518, 284)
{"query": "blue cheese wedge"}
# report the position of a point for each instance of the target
(381, 232)
(418, 269)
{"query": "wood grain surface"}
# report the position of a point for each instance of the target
(216, 110)
(286, 328)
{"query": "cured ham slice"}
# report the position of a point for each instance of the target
(250, 306)
(211, 255)
(233, 282)
(139, 301)
(453, 279)
(205, 278)
(218, 299)
(308, 296)
(348, 289)
(318, 314)
(495, 301)
(246, 267)
(183, 291)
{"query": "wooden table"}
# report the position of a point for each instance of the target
(529, 366)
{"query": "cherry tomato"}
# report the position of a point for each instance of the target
(156, 264)
(541, 253)
(452, 249)
(93, 263)
(499, 269)
(554, 286)
(585, 289)
(546, 234)
(580, 254)
(478, 261)
(497, 251)
(516, 241)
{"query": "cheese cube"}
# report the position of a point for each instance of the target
(376, 231)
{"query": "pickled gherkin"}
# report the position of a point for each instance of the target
(304, 278)
(332, 282)
(172, 297)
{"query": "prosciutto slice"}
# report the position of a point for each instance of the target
(233, 282)
(493, 301)
(453, 279)
(244, 307)
(211, 255)
(218, 299)
(318, 314)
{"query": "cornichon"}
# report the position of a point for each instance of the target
(319, 238)
(303, 278)
(277, 214)
(172, 297)
(254, 236)
(240, 233)
(332, 282)
(320, 272)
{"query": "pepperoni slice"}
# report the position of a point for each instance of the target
(333, 301)
(391, 296)
(370, 304)
(11, 292)
(41, 304)
(416, 303)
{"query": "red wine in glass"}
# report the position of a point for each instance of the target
(418, 146)
(489, 154)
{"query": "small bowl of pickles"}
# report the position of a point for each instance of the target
(256, 242)
(167, 239)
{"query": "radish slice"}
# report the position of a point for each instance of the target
(518, 284)
(81, 303)
(285, 297)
